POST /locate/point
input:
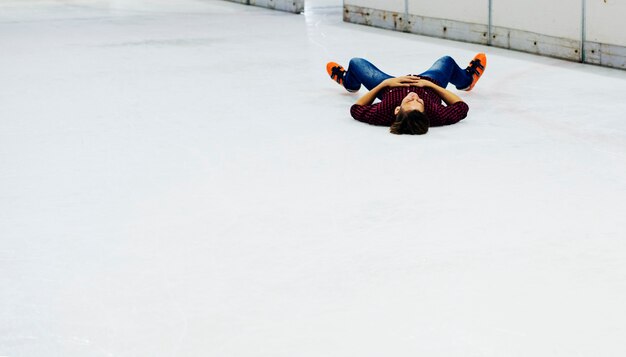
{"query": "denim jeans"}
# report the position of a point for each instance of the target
(444, 70)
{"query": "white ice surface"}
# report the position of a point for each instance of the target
(181, 178)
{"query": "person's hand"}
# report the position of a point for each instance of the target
(404, 81)
(422, 83)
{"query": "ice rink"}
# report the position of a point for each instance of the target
(182, 178)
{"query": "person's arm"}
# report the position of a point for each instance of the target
(404, 81)
(448, 97)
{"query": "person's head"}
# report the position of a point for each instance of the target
(410, 117)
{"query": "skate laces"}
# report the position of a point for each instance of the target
(474, 67)
(337, 73)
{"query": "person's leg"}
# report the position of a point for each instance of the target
(361, 71)
(445, 70)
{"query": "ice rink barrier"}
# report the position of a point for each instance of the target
(588, 31)
(295, 6)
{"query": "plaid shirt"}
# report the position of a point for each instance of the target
(382, 113)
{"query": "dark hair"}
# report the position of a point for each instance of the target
(412, 122)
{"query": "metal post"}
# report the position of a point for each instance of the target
(406, 14)
(490, 22)
(583, 34)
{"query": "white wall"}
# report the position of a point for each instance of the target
(556, 18)
(472, 11)
(385, 5)
(605, 21)
(552, 28)
(590, 31)
(295, 6)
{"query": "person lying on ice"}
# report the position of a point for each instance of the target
(409, 104)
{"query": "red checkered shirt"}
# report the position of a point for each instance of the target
(382, 113)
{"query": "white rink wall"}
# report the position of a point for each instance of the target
(605, 38)
(295, 6)
(584, 31)
(606, 22)
(387, 5)
(449, 9)
(561, 18)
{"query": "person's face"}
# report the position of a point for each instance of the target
(411, 102)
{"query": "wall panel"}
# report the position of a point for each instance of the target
(389, 14)
(295, 6)
(474, 11)
(450, 19)
(556, 18)
(554, 30)
(386, 5)
(589, 31)
(605, 33)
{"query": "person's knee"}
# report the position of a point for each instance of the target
(356, 61)
(447, 59)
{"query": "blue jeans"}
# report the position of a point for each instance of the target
(444, 70)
